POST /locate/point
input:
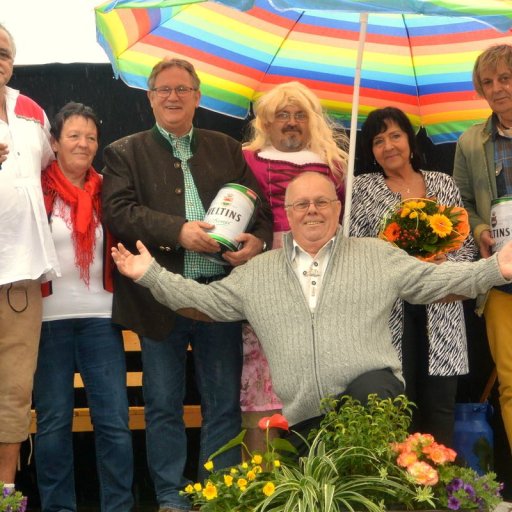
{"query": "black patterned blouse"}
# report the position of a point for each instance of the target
(371, 200)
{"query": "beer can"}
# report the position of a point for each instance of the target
(501, 221)
(231, 212)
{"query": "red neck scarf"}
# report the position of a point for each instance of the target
(85, 211)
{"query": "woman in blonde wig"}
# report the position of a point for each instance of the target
(290, 134)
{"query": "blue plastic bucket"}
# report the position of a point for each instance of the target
(473, 438)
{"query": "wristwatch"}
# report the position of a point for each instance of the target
(264, 248)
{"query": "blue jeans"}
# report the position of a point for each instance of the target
(217, 352)
(94, 347)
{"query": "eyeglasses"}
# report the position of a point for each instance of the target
(5, 54)
(283, 116)
(181, 91)
(302, 205)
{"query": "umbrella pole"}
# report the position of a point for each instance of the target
(363, 21)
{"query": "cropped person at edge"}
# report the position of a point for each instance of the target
(27, 255)
(483, 173)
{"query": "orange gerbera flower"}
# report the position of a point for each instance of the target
(392, 232)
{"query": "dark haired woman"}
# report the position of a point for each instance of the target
(430, 339)
(77, 332)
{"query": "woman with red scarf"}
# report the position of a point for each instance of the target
(77, 332)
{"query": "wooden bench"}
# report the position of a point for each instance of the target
(82, 416)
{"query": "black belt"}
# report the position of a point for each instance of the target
(209, 279)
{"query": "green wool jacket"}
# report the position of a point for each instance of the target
(474, 172)
(475, 175)
(314, 355)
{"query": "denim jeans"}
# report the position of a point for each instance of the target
(217, 352)
(94, 347)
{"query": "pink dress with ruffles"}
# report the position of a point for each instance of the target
(274, 170)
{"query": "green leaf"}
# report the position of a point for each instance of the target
(282, 445)
(236, 441)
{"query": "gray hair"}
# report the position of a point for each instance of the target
(490, 59)
(11, 39)
(169, 62)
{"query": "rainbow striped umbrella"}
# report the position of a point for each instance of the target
(421, 64)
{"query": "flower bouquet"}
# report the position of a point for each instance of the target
(12, 500)
(424, 228)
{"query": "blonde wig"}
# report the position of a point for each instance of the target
(327, 140)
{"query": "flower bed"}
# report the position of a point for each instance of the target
(361, 458)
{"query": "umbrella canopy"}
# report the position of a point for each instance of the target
(497, 13)
(421, 64)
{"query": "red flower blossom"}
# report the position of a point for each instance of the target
(274, 421)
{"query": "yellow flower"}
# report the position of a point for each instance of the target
(208, 465)
(441, 225)
(268, 489)
(405, 212)
(244, 465)
(210, 491)
(189, 488)
(257, 469)
(423, 216)
(277, 463)
(257, 459)
(251, 475)
(242, 483)
(197, 487)
(228, 480)
(413, 215)
(233, 471)
(421, 205)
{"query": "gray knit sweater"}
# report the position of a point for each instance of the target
(312, 356)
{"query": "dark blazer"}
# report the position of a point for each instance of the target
(144, 198)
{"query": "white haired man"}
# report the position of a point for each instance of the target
(324, 333)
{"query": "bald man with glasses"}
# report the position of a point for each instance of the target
(320, 305)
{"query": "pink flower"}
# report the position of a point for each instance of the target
(405, 459)
(439, 453)
(423, 473)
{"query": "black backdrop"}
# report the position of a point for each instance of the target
(124, 110)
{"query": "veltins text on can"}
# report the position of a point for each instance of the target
(230, 212)
(501, 221)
